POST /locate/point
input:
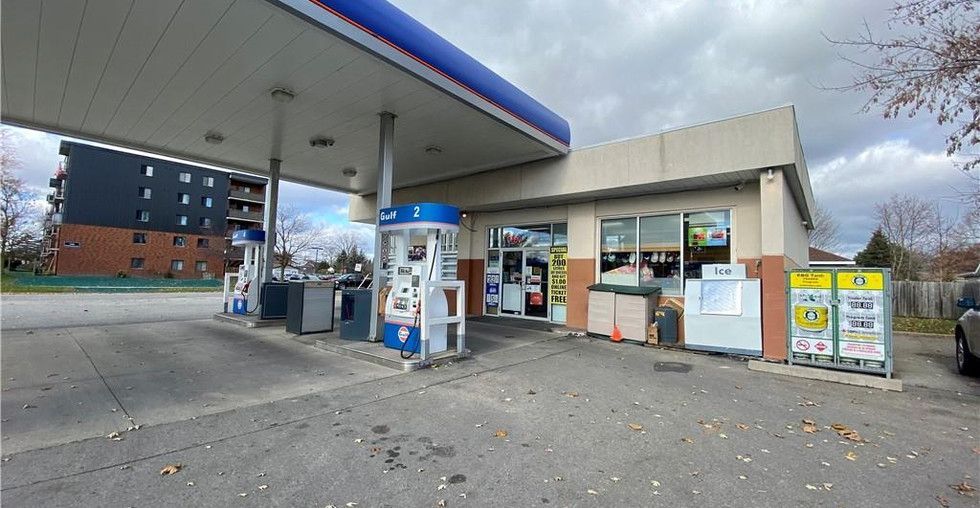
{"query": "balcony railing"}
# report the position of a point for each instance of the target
(243, 215)
(247, 196)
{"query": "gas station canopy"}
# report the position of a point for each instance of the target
(234, 83)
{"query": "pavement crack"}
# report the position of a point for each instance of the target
(102, 377)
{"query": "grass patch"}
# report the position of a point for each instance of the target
(26, 282)
(923, 325)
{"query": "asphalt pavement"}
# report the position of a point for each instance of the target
(553, 421)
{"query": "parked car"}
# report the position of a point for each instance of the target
(349, 280)
(968, 330)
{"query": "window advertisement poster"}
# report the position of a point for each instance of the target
(714, 236)
(493, 292)
(861, 315)
(558, 275)
(810, 328)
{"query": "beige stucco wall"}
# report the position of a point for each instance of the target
(715, 154)
(796, 241)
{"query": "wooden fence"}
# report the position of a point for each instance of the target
(927, 299)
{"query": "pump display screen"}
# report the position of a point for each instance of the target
(416, 253)
(401, 303)
(404, 270)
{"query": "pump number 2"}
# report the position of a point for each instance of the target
(416, 214)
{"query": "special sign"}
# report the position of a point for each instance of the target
(558, 275)
(810, 300)
(861, 319)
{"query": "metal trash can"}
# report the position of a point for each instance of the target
(355, 314)
(666, 318)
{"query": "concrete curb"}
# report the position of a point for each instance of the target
(832, 376)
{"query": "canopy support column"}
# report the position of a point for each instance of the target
(271, 210)
(386, 162)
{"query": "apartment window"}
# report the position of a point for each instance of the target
(181, 220)
(144, 192)
(244, 208)
(139, 238)
(184, 177)
(246, 190)
(205, 222)
(180, 241)
(208, 181)
(183, 198)
(146, 170)
(207, 202)
(136, 263)
(143, 215)
(177, 265)
(203, 243)
(201, 266)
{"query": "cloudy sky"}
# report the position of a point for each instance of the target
(622, 68)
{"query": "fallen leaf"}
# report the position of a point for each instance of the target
(532, 392)
(594, 493)
(112, 435)
(243, 494)
(570, 394)
(743, 477)
(977, 450)
(29, 406)
(687, 440)
(375, 450)
(964, 488)
(942, 501)
(723, 436)
(501, 433)
(847, 433)
(351, 504)
(851, 456)
(655, 484)
(808, 403)
(828, 486)
(614, 479)
(190, 484)
(810, 487)
(441, 487)
(170, 469)
(441, 503)
(263, 487)
(742, 426)
(359, 440)
(634, 426)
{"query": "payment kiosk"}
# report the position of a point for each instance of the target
(246, 297)
(416, 309)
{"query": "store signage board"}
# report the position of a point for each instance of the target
(419, 216)
(861, 318)
(558, 275)
(728, 271)
(810, 328)
(840, 318)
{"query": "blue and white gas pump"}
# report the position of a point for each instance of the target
(246, 297)
(416, 310)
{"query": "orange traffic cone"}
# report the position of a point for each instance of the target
(617, 336)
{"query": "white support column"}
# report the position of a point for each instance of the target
(271, 209)
(386, 162)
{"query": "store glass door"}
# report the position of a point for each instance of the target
(512, 283)
(536, 283)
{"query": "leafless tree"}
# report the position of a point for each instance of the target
(825, 234)
(909, 223)
(18, 213)
(932, 61)
(295, 234)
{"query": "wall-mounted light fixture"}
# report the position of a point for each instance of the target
(349, 172)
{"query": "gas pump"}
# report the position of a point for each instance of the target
(414, 232)
(246, 297)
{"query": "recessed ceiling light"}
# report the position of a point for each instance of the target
(433, 150)
(284, 95)
(321, 142)
(349, 172)
(213, 138)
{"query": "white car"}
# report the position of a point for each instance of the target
(968, 330)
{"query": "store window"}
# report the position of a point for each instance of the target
(617, 263)
(707, 238)
(660, 252)
(559, 234)
(526, 236)
(494, 240)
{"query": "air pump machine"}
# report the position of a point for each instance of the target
(246, 298)
(415, 261)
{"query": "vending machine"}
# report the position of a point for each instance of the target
(416, 297)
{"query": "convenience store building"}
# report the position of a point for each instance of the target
(647, 211)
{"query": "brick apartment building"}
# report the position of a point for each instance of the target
(114, 213)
